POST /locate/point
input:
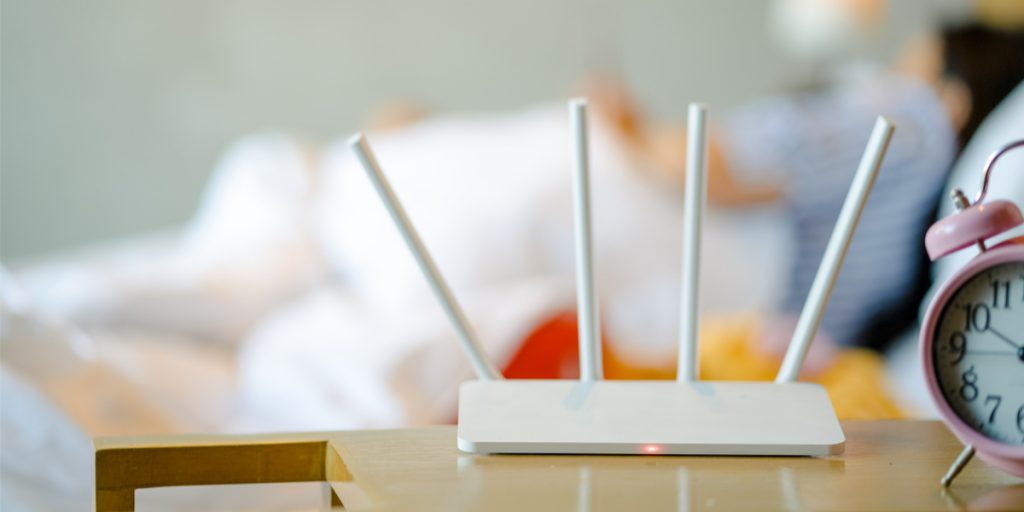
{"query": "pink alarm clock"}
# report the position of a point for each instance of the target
(972, 341)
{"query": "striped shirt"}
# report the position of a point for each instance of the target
(812, 144)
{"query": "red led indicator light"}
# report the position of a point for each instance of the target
(652, 448)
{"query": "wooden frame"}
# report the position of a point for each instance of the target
(124, 465)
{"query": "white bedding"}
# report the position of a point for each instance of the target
(289, 302)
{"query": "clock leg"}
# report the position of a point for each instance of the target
(958, 465)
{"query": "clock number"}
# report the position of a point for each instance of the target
(1000, 288)
(998, 400)
(958, 344)
(977, 317)
(969, 389)
(1020, 419)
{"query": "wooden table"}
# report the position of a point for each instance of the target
(888, 465)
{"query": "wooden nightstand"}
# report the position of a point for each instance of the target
(888, 465)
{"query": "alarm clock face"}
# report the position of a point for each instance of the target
(978, 352)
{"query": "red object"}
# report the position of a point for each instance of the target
(551, 351)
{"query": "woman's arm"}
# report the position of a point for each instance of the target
(665, 150)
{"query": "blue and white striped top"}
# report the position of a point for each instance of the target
(812, 144)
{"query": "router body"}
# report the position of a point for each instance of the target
(647, 417)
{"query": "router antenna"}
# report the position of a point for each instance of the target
(470, 345)
(835, 252)
(586, 307)
(696, 171)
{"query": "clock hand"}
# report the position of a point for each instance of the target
(1004, 338)
(989, 353)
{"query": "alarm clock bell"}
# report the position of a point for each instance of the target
(971, 225)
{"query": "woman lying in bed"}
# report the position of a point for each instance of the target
(293, 259)
(294, 265)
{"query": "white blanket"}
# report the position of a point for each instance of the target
(290, 303)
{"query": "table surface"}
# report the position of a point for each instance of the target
(888, 465)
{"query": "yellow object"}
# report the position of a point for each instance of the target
(1002, 14)
(855, 380)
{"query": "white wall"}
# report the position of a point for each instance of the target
(114, 111)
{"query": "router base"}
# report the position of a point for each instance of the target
(647, 418)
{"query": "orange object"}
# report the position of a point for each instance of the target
(855, 380)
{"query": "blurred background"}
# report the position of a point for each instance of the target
(188, 245)
(114, 112)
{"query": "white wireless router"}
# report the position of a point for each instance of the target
(686, 417)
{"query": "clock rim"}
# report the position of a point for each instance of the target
(967, 434)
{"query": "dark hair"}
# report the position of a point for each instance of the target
(990, 62)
